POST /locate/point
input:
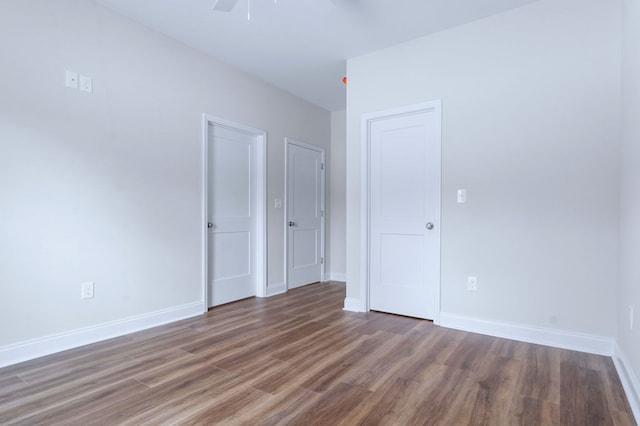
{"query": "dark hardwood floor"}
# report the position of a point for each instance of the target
(299, 359)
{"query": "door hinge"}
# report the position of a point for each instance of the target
(321, 213)
(322, 260)
(321, 166)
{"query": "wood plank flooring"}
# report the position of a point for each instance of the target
(299, 359)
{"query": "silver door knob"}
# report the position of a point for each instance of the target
(429, 226)
(292, 223)
(210, 225)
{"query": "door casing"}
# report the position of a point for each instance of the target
(261, 207)
(365, 207)
(288, 142)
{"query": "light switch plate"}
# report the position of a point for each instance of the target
(472, 283)
(86, 84)
(88, 290)
(462, 195)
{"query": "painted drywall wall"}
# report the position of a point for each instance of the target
(106, 187)
(337, 171)
(531, 119)
(629, 293)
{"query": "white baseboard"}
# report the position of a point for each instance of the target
(599, 345)
(273, 289)
(337, 276)
(629, 380)
(35, 348)
(353, 305)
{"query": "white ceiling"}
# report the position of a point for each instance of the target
(301, 46)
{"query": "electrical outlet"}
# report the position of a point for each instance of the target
(472, 283)
(630, 317)
(88, 290)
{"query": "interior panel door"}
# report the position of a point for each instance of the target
(304, 215)
(232, 215)
(404, 212)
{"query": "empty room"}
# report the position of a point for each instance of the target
(320, 212)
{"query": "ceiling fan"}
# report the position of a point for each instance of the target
(224, 5)
(352, 7)
(228, 5)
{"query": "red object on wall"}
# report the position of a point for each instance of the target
(344, 79)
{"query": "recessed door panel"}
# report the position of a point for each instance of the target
(226, 263)
(402, 175)
(231, 178)
(401, 261)
(304, 245)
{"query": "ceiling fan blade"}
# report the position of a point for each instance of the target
(224, 5)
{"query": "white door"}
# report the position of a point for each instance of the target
(232, 214)
(305, 199)
(404, 214)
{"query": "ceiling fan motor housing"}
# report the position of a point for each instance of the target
(224, 5)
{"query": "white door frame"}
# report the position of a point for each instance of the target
(365, 207)
(288, 142)
(261, 207)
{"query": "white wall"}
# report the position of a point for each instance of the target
(107, 187)
(531, 119)
(337, 171)
(629, 294)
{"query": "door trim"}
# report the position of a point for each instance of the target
(365, 207)
(288, 142)
(261, 207)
